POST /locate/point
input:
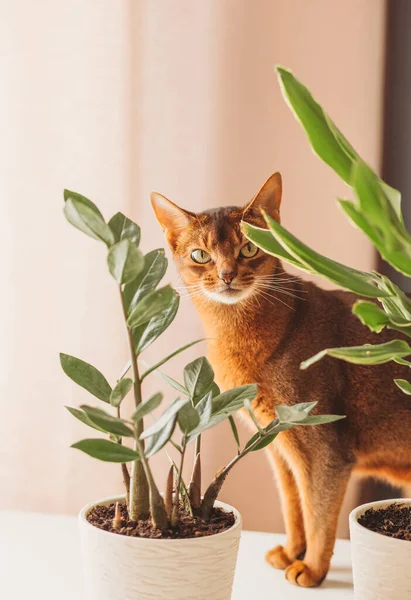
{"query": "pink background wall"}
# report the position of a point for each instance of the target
(115, 99)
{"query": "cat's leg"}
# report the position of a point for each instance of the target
(281, 557)
(322, 485)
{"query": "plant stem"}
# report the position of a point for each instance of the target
(124, 470)
(215, 486)
(168, 496)
(139, 493)
(176, 507)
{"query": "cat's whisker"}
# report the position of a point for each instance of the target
(267, 296)
(283, 291)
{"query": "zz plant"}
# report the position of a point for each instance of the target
(376, 210)
(148, 310)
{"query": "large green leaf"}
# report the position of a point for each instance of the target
(106, 451)
(158, 440)
(356, 281)
(153, 304)
(188, 418)
(107, 422)
(364, 355)
(146, 334)
(404, 385)
(371, 315)
(120, 391)
(155, 266)
(167, 415)
(125, 261)
(85, 216)
(70, 194)
(81, 416)
(86, 376)
(198, 378)
(124, 229)
(147, 407)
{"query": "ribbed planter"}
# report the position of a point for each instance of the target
(117, 567)
(381, 565)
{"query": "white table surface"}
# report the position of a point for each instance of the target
(40, 559)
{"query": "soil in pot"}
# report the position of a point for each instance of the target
(189, 526)
(392, 521)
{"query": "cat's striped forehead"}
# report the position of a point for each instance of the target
(218, 226)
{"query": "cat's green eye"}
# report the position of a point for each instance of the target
(249, 250)
(200, 256)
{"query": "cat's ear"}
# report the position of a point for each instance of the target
(172, 218)
(267, 199)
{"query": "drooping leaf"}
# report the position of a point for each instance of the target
(249, 408)
(147, 407)
(234, 432)
(188, 418)
(155, 266)
(106, 450)
(198, 378)
(81, 416)
(125, 261)
(87, 376)
(371, 315)
(107, 422)
(169, 357)
(289, 414)
(356, 281)
(146, 334)
(173, 383)
(151, 305)
(404, 385)
(85, 216)
(321, 419)
(368, 354)
(120, 391)
(159, 439)
(124, 229)
(167, 415)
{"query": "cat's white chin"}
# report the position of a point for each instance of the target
(229, 296)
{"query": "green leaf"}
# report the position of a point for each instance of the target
(82, 214)
(167, 415)
(146, 334)
(153, 304)
(289, 414)
(265, 240)
(266, 440)
(401, 361)
(364, 355)
(188, 418)
(158, 440)
(87, 376)
(120, 391)
(310, 114)
(125, 261)
(124, 229)
(370, 315)
(198, 378)
(173, 383)
(235, 432)
(107, 451)
(107, 422)
(404, 385)
(167, 358)
(356, 281)
(305, 406)
(249, 408)
(215, 390)
(81, 416)
(69, 194)
(147, 407)
(320, 419)
(155, 266)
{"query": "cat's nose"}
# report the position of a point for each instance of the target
(227, 276)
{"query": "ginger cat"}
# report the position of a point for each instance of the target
(263, 323)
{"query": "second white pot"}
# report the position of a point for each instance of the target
(117, 567)
(381, 564)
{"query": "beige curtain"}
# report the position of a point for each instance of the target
(115, 99)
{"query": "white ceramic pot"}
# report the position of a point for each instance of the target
(381, 564)
(118, 567)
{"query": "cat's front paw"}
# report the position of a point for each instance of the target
(299, 574)
(278, 558)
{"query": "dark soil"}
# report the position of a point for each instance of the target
(393, 521)
(189, 527)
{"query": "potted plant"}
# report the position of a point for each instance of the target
(380, 531)
(144, 544)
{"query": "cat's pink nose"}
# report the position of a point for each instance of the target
(227, 276)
